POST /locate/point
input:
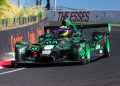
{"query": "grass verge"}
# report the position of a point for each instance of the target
(93, 23)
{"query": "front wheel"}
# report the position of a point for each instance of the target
(106, 47)
(87, 55)
(20, 51)
(84, 54)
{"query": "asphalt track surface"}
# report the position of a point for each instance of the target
(103, 72)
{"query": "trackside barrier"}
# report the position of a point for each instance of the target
(8, 23)
(98, 16)
(8, 38)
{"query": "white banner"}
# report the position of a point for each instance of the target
(99, 16)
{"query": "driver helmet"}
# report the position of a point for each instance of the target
(63, 33)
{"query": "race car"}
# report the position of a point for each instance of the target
(52, 48)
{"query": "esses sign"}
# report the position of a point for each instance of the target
(75, 16)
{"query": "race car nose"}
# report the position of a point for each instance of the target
(47, 59)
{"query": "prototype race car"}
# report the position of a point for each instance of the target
(51, 48)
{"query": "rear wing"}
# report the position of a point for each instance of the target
(90, 26)
(81, 26)
(50, 28)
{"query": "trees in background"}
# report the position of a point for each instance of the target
(18, 3)
(11, 10)
(38, 2)
(3, 2)
(48, 4)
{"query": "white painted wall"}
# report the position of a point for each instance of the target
(100, 16)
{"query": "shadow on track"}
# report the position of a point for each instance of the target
(32, 65)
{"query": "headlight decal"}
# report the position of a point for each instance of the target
(46, 52)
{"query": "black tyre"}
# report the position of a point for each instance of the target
(84, 54)
(87, 56)
(20, 51)
(106, 47)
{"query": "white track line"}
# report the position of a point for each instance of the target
(1, 67)
(8, 72)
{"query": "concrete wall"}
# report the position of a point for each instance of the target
(8, 38)
(100, 16)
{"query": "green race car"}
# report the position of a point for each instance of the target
(75, 47)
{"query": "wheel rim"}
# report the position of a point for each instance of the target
(108, 45)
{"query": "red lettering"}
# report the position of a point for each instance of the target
(60, 16)
(83, 16)
(31, 37)
(39, 32)
(63, 15)
(66, 14)
(75, 16)
(71, 16)
(87, 16)
(80, 16)
(14, 40)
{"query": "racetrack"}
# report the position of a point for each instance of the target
(103, 72)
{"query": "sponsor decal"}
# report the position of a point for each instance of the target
(39, 32)
(49, 47)
(47, 52)
(14, 40)
(31, 37)
(75, 16)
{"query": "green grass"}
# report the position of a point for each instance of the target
(93, 23)
(115, 24)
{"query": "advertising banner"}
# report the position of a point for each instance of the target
(99, 16)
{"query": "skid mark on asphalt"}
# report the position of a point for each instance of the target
(8, 72)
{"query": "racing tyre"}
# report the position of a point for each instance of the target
(86, 58)
(20, 51)
(84, 54)
(106, 47)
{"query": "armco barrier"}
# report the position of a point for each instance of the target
(8, 38)
(99, 16)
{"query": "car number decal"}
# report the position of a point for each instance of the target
(49, 47)
(46, 52)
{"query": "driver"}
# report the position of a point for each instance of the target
(64, 33)
(67, 24)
